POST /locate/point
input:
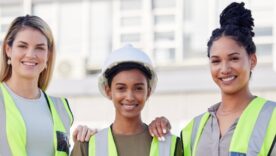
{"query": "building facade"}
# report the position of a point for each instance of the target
(173, 32)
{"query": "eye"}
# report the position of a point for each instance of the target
(139, 88)
(120, 88)
(234, 58)
(215, 61)
(22, 46)
(40, 48)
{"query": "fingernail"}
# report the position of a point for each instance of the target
(163, 139)
(164, 131)
(160, 139)
(151, 134)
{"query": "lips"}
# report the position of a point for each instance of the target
(228, 80)
(27, 63)
(129, 107)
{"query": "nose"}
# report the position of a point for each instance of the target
(30, 53)
(225, 68)
(130, 96)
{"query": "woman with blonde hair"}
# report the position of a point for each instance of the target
(31, 122)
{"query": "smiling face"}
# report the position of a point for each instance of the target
(129, 91)
(230, 65)
(28, 53)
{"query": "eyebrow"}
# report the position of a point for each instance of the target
(234, 53)
(119, 84)
(40, 44)
(139, 84)
(22, 42)
(136, 84)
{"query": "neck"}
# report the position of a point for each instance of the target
(128, 126)
(24, 88)
(235, 103)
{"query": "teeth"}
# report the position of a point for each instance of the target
(228, 78)
(29, 63)
(129, 106)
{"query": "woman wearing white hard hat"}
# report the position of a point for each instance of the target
(128, 79)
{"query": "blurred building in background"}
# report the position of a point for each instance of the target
(173, 32)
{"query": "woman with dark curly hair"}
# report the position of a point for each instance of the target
(242, 123)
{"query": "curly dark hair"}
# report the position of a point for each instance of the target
(235, 22)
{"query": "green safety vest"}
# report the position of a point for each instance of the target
(255, 133)
(102, 144)
(13, 129)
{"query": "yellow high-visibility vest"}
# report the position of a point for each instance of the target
(13, 129)
(102, 144)
(254, 133)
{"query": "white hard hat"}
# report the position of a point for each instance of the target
(126, 54)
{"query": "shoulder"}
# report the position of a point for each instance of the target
(198, 119)
(61, 105)
(101, 134)
(56, 98)
(267, 107)
(59, 102)
(273, 103)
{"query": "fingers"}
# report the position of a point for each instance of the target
(165, 124)
(159, 127)
(75, 133)
(90, 133)
(83, 133)
(154, 130)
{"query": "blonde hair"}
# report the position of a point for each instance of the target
(17, 25)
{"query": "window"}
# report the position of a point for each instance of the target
(130, 21)
(187, 10)
(264, 49)
(7, 14)
(263, 31)
(10, 10)
(69, 30)
(131, 4)
(163, 3)
(164, 19)
(4, 28)
(163, 55)
(163, 36)
(130, 37)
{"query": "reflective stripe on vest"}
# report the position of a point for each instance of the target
(13, 129)
(253, 135)
(102, 144)
(192, 132)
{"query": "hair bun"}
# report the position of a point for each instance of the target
(236, 15)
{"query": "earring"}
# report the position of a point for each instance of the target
(9, 61)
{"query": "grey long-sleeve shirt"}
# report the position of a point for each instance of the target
(211, 143)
